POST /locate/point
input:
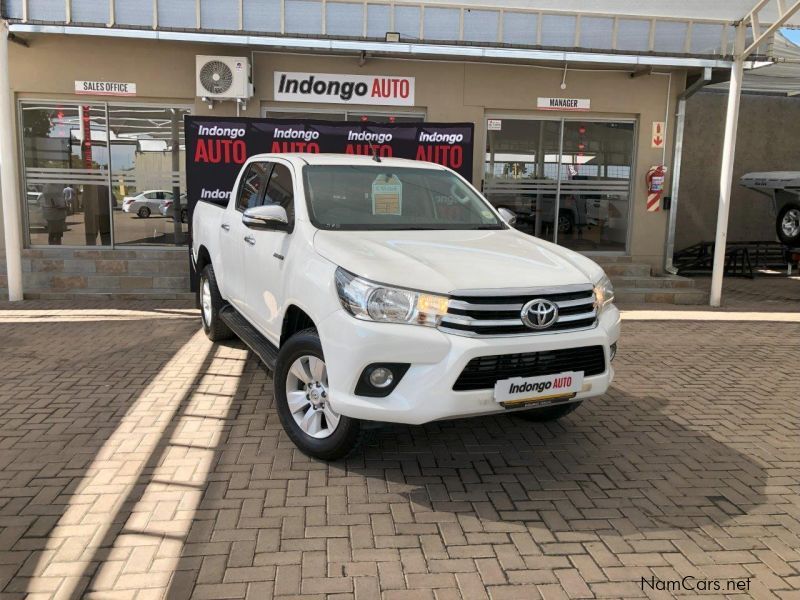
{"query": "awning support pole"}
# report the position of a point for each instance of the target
(9, 184)
(726, 170)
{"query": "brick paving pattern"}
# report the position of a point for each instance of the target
(138, 460)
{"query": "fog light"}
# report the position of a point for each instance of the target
(613, 350)
(381, 377)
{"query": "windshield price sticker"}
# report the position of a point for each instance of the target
(387, 196)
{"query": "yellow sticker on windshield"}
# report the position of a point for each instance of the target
(387, 195)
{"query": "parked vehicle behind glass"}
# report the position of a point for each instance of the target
(145, 203)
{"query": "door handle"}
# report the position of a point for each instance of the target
(250, 240)
(226, 227)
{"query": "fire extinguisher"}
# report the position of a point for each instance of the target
(655, 186)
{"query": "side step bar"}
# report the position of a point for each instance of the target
(263, 348)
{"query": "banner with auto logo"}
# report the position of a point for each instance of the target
(216, 147)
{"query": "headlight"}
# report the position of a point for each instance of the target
(603, 293)
(373, 302)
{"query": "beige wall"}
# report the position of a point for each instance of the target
(445, 91)
(768, 139)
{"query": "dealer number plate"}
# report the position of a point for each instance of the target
(519, 391)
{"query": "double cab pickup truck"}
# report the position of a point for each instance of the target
(387, 290)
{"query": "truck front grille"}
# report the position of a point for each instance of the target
(490, 313)
(483, 372)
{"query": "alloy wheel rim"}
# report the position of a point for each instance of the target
(205, 301)
(791, 223)
(308, 398)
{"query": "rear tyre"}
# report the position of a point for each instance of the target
(788, 225)
(143, 212)
(211, 303)
(184, 215)
(303, 403)
(548, 413)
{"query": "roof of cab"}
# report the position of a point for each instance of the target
(301, 159)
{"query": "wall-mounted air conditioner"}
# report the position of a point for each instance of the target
(223, 77)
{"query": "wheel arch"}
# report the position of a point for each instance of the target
(295, 319)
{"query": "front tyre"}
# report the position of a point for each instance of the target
(548, 413)
(303, 401)
(211, 303)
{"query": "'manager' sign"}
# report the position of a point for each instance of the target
(563, 104)
(105, 88)
(332, 88)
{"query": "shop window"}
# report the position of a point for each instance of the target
(219, 14)
(12, 8)
(177, 13)
(706, 38)
(262, 15)
(596, 33)
(519, 28)
(148, 180)
(670, 36)
(344, 18)
(442, 24)
(406, 21)
(133, 12)
(65, 165)
(558, 30)
(303, 16)
(47, 10)
(481, 25)
(378, 20)
(633, 34)
(90, 11)
(568, 181)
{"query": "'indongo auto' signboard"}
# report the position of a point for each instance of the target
(334, 88)
(216, 147)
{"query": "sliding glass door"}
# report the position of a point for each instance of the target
(568, 180)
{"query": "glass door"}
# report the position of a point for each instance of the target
(567, 180)
(595, 180)
(521, 171)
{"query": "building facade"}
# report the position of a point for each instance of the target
(566, 144)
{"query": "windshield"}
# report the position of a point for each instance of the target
(391, 198)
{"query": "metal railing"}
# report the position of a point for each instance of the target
(489, 24)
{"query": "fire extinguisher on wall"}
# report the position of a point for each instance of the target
(655, 187)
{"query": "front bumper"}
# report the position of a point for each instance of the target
(426, 393)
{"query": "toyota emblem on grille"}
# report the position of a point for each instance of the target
(539, 313)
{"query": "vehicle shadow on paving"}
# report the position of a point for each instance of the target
(618, 464)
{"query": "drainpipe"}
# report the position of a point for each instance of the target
(680, 121)
(9, 184)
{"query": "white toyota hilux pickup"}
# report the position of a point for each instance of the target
(390, 290)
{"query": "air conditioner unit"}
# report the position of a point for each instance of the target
(223, 77)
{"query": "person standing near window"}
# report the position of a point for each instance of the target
(69, 198)
(54, 211)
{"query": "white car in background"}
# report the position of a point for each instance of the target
(167, 210)
(145, 203)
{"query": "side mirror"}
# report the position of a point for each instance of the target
(508, 216)
(271, 217)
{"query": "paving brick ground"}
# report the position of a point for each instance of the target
(138, 460)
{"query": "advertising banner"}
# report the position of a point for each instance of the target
(216, 147)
